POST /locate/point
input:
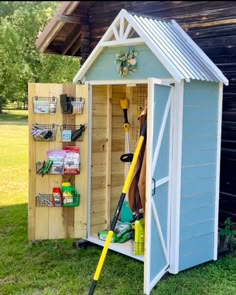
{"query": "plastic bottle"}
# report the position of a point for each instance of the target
(57, 199)
(70, 195)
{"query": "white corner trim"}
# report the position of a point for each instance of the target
(217, 196)
(176, 177)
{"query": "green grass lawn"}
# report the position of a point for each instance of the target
(14, 116)
(55, 267)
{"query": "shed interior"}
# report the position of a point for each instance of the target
(109, 142)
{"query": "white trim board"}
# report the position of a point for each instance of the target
(176, 176)
(217, 196)
(118, 82)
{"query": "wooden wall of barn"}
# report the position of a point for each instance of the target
(212, 25)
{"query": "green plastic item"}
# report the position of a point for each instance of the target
(122, 233)
(126, 213)
(71, 197)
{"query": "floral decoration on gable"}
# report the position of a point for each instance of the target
(126, 62)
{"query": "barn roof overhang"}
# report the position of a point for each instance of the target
(67, 31)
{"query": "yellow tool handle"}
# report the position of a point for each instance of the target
(118, 208)
(124, 103)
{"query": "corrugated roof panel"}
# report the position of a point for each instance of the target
(184, 50)
(175, 44)
(163, 44)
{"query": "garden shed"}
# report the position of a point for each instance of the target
(159, 69)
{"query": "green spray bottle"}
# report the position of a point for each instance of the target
(71, 197)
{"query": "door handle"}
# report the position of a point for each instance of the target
(153, 186)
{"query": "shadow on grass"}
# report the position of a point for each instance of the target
(14, 117)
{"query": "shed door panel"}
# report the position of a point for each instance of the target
(158, 178)
(56, 222)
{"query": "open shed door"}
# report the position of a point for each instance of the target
(44, 220)
(157, 215)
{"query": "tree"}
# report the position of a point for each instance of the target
(20, 61)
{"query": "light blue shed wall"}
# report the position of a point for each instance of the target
(104, 67)
(198, 184)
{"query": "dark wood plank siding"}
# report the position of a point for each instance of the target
(212, 25)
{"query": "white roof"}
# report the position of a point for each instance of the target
(179, 54)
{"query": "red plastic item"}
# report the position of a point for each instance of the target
(57, 199)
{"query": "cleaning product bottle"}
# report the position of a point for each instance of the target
(70, 195)
(139, 237)
(57, 200)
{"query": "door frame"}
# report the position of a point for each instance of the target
(176, 168)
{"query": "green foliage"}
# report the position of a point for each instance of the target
(229, 228)
(21, 62)
(228, 235)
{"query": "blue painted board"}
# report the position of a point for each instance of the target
(198, 244)
(196, 251)
(197, 229)
(162, 167)
(201, 142)
(201, 93)
(196, 215)
(197, 186)
(194, 156)
(197, 127)
(198, 172)
(104, 67)
(157, 254)
(200, 200)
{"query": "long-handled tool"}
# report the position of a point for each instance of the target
(127, 157)
(118, 208)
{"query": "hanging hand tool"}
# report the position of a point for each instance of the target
(124, 103)
(118, 209)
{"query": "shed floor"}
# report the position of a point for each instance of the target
(123, 248)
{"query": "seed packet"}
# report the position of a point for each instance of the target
(57, 156)
(41, 107)
(71, 160)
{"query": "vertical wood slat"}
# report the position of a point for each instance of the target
(80, 217)
(99, 151)
(68, 214)
(56, 225)
(41, 183)
(32, 170)
(108, 154)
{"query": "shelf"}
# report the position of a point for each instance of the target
(123, 248)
